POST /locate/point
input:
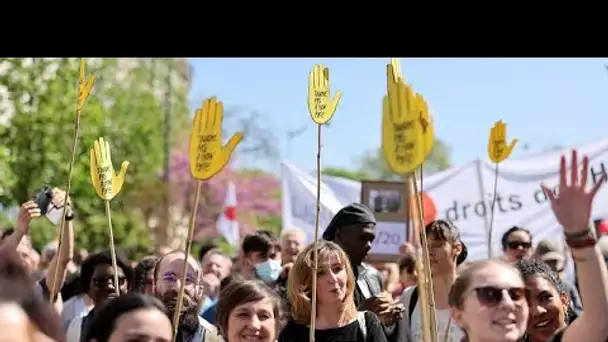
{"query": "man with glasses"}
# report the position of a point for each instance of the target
(168, 275)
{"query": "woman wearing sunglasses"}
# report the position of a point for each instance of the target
(488, 299)
(517, 244)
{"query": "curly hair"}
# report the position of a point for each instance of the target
(531, 268)
(141, 271)
(104, 257)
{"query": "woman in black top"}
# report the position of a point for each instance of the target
(337, 317)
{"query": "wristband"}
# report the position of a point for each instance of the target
(581, 243)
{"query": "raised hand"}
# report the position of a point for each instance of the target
(572, 204)
(84, 85)
(498, 150)
(106, 182)
(402, 133)
(29, 210)
(320, 107)
(207, 155)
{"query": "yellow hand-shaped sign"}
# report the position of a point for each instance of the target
(107, 184)
(84, 85)
(402, 133)
(427, 124)
(320, 107)
(207, 155)
(497, 144)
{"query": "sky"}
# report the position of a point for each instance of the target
(545, 102)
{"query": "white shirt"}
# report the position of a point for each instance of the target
(443, 319)
(74, 307)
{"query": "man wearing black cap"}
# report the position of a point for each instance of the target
(353, 228)
(446, 252)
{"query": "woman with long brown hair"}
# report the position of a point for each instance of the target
(337, 316)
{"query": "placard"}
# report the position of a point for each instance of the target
(387, 200)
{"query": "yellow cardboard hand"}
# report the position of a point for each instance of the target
(498, 150)
(107, 184)
(207, 155)
(84, 85)
(427, 125)
(320, 107)
(402, 134)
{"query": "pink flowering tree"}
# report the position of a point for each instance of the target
(257, 192)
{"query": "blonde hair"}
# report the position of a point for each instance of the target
(299, 287)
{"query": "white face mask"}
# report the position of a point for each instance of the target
(268, 270)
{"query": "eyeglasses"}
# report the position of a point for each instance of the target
(517, 244)
(103, 281)
(171, 278)
(492, 295)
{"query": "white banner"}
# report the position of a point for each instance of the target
(462, 195)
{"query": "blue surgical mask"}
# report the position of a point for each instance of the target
(269, 270)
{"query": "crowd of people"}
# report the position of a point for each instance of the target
(264, 293)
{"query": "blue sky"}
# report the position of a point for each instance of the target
(545, 102)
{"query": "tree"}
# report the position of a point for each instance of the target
(39, 110)
(374, 163)
(257, 192)
(356, 175)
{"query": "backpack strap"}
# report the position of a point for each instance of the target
(412, 303)
(362, 324)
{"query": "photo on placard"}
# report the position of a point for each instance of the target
(385, 201)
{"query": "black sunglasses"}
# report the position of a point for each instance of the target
(492, 295)
(103, 281)
(517, 244)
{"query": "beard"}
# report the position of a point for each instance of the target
(188, 319)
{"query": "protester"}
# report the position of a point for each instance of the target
(249, 311)
(550, 305)
(143, 275)
(293, 240)
(353, 229)
(407, 272)
(58, 265)
(168, 275)
(337, 317)
(488, 301)
(499, 311)
(517, 244)
(217, 263)
(446, 252)
(210, 314)
(132, 317)
(97, 276)
(260, 258)
(555, 257)
(24, 315)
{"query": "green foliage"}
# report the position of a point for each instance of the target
(356, 175)
(37, 143)
(374, 164)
